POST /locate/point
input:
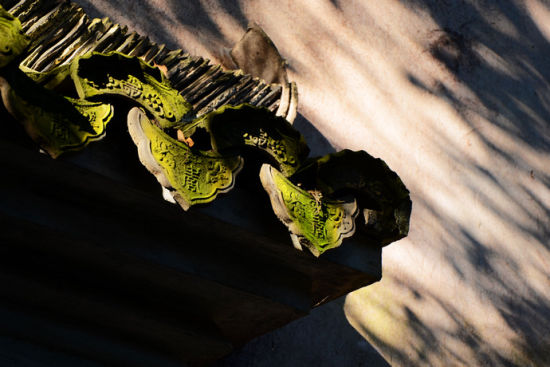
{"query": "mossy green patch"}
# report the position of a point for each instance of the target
(379, 191)
(232, 128)
(314, 221)
(58, 124)
(195, 177)
(12, 39)
(100, 76)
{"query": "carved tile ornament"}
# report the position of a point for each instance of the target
(66, 106)
(12, 39)
(102, 75)
(52, 79)
(233, 127)
(192, 177)
(380, 193)
(318, 224)
(58, 124)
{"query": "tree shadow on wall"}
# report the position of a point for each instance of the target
(517, 108)
(463, 30)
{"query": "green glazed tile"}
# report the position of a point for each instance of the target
(192, 177)
(12, 39)
(103, 75)
(51, 79)
(232, 128)
(380, 193)
(313, 221)
(58, 124)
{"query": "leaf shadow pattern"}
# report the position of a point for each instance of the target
(510, 276)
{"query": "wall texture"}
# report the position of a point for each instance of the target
(455, 97)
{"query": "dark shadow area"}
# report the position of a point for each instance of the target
(324, 339)
(318, 143)
(23, 353)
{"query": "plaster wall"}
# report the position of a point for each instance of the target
(455, 97)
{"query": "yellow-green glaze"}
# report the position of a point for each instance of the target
(58, 124)
(232, 128)
(316, 222)
(101, 76)
(12, 39)
(50, 79)
(194, 177)
(379, 191)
